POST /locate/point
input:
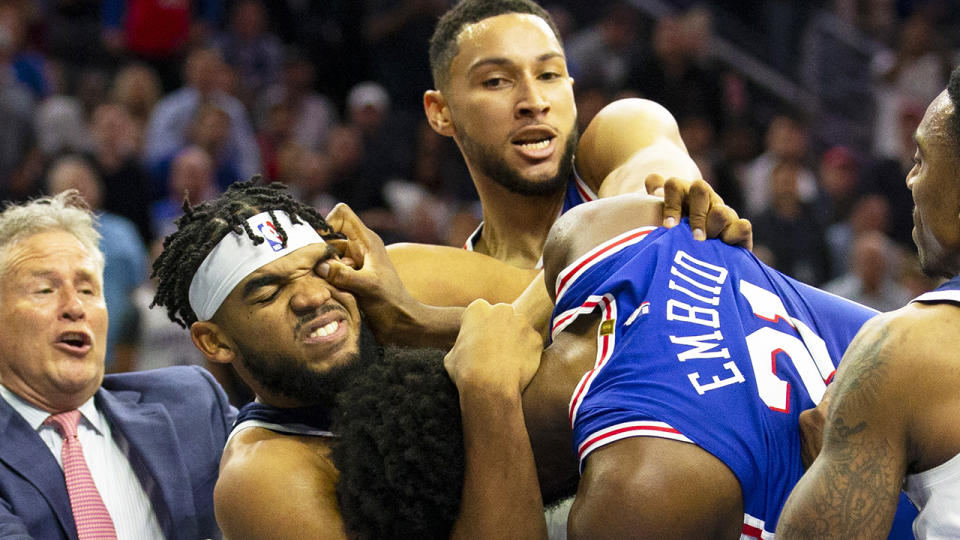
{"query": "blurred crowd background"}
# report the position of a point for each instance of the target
(799, 113)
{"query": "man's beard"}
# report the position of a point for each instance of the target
(289, 377)
(492, 164)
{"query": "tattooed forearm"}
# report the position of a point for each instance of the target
(853, 495)
(860, 377)
(851, 491)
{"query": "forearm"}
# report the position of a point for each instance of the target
(424, 326)
(855, 499)
(501, 494)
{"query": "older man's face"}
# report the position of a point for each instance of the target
(53, 321)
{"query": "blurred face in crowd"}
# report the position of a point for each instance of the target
(509, 104)
(935, 184)
(54, 320)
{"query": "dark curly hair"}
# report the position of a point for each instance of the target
(202, 226)
(400, 452)
(953, 90)
(443, 43)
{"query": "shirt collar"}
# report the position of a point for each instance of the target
(35, 416)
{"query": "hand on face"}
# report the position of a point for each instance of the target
(496, 349)
(705, 208)
(366, 271)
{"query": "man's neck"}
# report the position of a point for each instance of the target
(515, 227)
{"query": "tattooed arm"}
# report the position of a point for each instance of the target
(851, 490)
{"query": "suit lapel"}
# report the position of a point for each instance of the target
(22, 449)
(155, 457)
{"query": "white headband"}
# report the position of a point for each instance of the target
(236, 257)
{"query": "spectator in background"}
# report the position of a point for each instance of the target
(601, 55)
(384, 134)
(907, 77)
(192, 175)
(346, 152)
(161, 342)
(169, 123)
(276, 127)
(125, 257)
(307, 175)
(871, 212)
(126, 184)
(251, 49)
(209, 130)
(871, 279)
(137, 87)
(397, 33)
(789, 229)
(839, 185)
(17, 133)
(786, 141)
(675, 74)
(30, 66)
(158, 31)
(311, 114)
(61, 126)
(884, 176)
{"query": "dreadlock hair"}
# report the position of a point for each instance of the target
(953, 90)
(202, 227)
(443, 43)
(400, 448)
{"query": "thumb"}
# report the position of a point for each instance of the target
(342, 276)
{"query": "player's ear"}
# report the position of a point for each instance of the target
(438, 113)
(212, 342)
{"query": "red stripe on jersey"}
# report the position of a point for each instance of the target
(750, 530)
(657, 429)
(569, 273)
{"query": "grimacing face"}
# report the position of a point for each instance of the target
(54, 321)
(285, 309)
(511, 103)
(934, 182)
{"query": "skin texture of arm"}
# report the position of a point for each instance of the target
(890, 415)
(267, 480)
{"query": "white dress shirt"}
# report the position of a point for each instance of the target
(121, 491)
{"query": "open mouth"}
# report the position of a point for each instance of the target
(77, 343)
(534, 142)
(325, 329)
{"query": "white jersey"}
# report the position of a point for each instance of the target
(936, 492)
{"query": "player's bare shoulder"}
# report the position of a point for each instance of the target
(588, 225)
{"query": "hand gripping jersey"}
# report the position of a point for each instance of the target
(937, 491)
(702, 343)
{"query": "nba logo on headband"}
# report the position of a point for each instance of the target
(270, 234)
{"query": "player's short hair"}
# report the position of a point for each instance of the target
(953, 91)
(443, 43)
(400, 448)
(202, 227)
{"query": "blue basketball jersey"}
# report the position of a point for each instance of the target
(702, 343)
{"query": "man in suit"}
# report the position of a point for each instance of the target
(132, 455)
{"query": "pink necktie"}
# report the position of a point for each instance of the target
(91, 516)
